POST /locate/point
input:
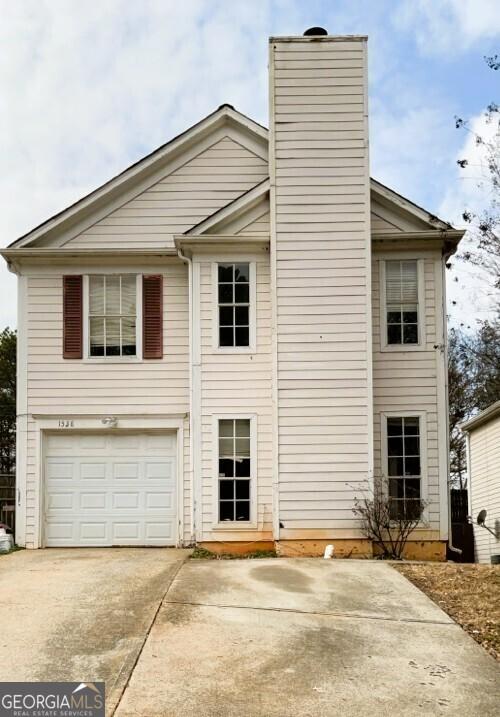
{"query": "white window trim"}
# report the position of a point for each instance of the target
(424, 484)
(251, 349)
(87, 358)
(238, 525)
(422, 337)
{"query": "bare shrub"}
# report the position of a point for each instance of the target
(388, 523)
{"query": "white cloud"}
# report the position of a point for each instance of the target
(410, 147)
(449, 25)
(91, 87)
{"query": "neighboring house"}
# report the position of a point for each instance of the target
(225, 342)
(482, 435)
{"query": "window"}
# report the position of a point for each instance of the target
(233, 297)
(234, 470)
(403, 466)
(401, 298)
(112, 318)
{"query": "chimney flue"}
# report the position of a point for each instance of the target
(315, 31)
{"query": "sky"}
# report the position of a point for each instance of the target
(86, 89)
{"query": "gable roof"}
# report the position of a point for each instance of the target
(232, 211)
(385, 195)
(488, 414)
(145, 168)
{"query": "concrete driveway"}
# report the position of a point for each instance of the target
(80, 614)
(306, 637)
(253, 638)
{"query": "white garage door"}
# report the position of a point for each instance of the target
(110, 489)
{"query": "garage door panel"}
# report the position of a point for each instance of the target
(61, 533)
(130, 501)
(93, 501)
(60, 501)
(93, 471)
(158, 501)
(90, 442)
(97, 495)
(158, 531)
(126, 471)
(60, 469)
(93, 530)
(126, 531)
(160, 470)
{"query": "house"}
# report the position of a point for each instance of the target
(228, 340)
(482, 435)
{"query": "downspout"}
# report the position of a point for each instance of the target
(189, 262)
(446, 256)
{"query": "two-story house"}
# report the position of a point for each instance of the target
(226, 342)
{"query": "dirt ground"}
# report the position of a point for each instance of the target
(470, 594)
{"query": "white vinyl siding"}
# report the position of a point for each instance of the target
(236, 385)
(320, 206)
(405, 380)
(87, 388)
(182, 199)
(484, 485)
(258, 227)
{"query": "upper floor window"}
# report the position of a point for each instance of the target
(404, 466)
(401, 300)
(112, 316)
(233, 287)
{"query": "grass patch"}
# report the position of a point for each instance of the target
(203, 554)
(468, 593)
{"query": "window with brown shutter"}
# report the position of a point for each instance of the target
(72, 317)
(152, 316)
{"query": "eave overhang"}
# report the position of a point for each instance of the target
(15, 258)
(445, 239)
(211, 243)
(489, 414)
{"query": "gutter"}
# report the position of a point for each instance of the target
(187, 260)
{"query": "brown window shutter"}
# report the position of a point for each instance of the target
(72, 317)
(152, 316)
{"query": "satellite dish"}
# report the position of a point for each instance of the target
(481, 517)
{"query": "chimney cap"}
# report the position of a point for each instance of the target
(315, 31)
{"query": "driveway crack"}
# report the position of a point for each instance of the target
(325, 613)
